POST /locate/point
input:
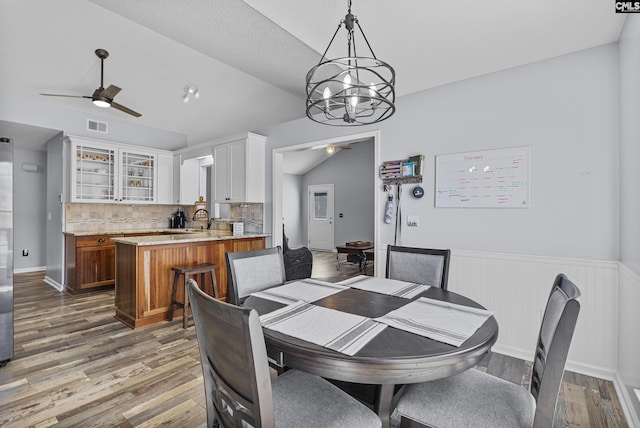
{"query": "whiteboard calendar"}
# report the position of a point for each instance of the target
(496, 178)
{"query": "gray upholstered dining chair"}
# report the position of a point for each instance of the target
(238, 388)
(419, 265)
(474, 398)
(251, 271)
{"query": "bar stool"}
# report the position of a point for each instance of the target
(183, 272)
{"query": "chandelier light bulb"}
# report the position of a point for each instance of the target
(346, 82)
(326, 94)
(351, 106)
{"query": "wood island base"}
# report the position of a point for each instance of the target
(144, 279)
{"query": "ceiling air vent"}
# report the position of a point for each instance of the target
(94, 125)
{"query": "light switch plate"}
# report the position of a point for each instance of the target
(413, 221)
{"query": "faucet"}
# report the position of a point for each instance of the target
(208, 220)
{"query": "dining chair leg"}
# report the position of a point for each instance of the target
(185, 310)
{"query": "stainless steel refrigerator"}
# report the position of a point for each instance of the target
(6, 250)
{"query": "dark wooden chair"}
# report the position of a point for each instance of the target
(238, 388)
(474, 398)
(251, 271)
(418, 265)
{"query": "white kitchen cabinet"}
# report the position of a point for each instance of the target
(239, 170)
(105, 172)
(138, 176)
(165, 178)
(93, 173)
(189, 181)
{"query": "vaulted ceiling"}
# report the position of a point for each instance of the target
(249, 58)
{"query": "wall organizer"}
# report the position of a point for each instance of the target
(396, 173)
(402, 171)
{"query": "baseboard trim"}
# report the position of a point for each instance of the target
(573, 366)
(53, 283)
(30, 269)
(626, 402)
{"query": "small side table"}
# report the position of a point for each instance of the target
(180, 275)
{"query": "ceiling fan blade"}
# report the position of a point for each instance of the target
(68, 96)
(110, 92)
(125, 109)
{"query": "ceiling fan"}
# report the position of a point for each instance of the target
(332, 148)
(102, 97)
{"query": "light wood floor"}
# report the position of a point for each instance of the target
(75, 365)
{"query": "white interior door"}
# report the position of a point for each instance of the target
(320, 226)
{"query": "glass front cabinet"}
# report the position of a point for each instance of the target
(104, 172)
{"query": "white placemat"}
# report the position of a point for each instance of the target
(307, 290)
(340, 331)
(438, 320)
(391, 287)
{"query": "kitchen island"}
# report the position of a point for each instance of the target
(143, 269)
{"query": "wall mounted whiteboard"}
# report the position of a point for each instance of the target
(496, 178)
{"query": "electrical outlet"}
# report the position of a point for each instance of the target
(413, 221)
(25, 253)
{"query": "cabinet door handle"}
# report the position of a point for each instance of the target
(100, 241)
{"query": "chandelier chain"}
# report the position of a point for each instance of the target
(331, 42)
(365, 39)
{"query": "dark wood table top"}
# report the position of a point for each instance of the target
(354, 249)
(393, 356)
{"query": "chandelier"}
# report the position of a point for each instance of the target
(351, 90)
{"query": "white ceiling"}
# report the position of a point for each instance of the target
(249, 58)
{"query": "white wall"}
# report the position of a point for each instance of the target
(565, 108)
(630, 147)
(75, 123)
(352, 173)
(292, 209)
(55, 187)
(628, 314)
(29, 209)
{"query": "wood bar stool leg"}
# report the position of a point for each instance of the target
(174, 291)
(203, 282)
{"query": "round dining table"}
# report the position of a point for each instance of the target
(391, 359)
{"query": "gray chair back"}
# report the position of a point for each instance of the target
(251, 271)
(234, 362)
(556, 332)
(419, 265)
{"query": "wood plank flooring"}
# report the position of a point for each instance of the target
(76, 366)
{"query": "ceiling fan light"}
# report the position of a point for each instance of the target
(101, 103)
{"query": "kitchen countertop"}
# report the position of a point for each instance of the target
(127, 232)
(188, 235)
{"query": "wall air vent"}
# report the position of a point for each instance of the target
(96, 126)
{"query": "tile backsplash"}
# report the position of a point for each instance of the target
(88, 217)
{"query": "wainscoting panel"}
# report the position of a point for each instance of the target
(516, 288)
(629, 327)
